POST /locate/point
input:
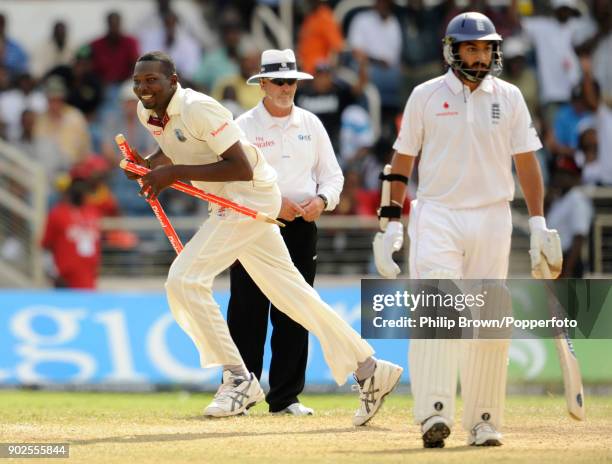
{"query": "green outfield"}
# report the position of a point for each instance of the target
(168, 427)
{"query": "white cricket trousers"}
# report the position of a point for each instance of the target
(263, 253)
(460, 244)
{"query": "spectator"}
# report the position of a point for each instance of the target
(604, 140)
(12, 55)
(41, 150)
(571, 214)
(223, 61)
(327, 97)
(566, 123)
(95, 171)
(554, 38)
(72, 235)
(423, 26)
(585, 157)
(247, 96)
(114, 54)
(171, 38)
(602, 48)
(356, 137)
(63, 123)
(58, 51)
(85, 90)
(518, 73)
(376, 33)
(13, 102)
(320, 36)
(193, 23)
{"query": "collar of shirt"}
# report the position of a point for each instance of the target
(269, 121)
(456, 85)
(174, 107)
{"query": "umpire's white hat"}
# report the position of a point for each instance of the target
(278, 64)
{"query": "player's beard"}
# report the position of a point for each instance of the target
(477, 70)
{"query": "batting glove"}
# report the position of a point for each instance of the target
(545, 245)
(385, 244)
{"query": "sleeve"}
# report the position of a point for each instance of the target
(212, 123)
(523, 135)
(410, 137)
(327, 172)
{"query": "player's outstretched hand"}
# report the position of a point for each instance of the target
(385, 244)
(545, 244)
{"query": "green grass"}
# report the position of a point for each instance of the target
(168, 427)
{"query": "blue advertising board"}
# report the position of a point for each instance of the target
(73, 337)
(67, 337)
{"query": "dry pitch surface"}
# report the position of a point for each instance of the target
(168, 428)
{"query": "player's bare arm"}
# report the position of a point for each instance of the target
(530, 178)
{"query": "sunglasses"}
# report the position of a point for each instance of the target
(280, 82)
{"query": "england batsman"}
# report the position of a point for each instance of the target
(199, 141)
(468, 126)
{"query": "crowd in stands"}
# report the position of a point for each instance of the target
(62, 103)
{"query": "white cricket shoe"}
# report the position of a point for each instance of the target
(235, 396)
(484, 434)
(373, 390)
(435, 430)
(296, 409)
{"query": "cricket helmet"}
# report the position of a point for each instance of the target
(469, 27)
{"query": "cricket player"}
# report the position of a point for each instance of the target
(295, 143)
(468, 126)
(199, 142)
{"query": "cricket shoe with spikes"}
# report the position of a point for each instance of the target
(235, 395)
(435, 430)
(374, 389)
(484, 434)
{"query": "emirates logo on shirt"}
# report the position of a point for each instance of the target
(219, 130)
(445, 106)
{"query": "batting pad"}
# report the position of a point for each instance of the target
(433, 375)
(483, 368)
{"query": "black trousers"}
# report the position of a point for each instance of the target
(247, 318)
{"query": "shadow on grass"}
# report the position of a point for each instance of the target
(169, 437)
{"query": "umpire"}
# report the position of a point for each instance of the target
(296, 144)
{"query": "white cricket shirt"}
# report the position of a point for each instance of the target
(299, 149)
(466, 140)
(197, 130)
